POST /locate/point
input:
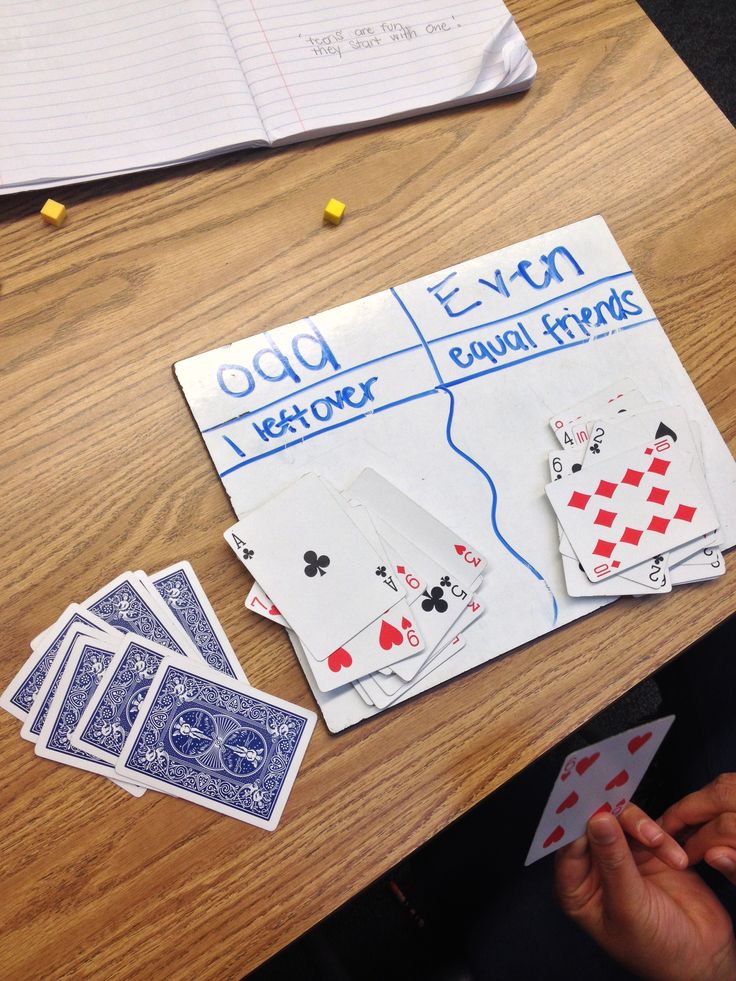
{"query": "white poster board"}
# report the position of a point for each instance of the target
(445, 386)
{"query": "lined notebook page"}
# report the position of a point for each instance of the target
(100, 86)
(320, 65)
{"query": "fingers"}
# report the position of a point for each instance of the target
(718, 833)
(623, 887)
(639, 826)
(704, 805)
(572, 875)
(723, 860)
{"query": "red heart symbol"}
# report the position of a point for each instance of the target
(570, 801)
(339, 659)
(554, 836)
(618, 781)
(274, 612)
(461, 549)
(603, 807)
(586, 763)
(405, 623)
(638, 741)
(389, 636)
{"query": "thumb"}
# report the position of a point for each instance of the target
(621, 882)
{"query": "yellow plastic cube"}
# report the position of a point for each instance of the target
(334, 210)
(54, 213)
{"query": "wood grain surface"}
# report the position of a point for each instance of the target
(103, 470)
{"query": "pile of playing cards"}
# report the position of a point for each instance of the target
(374, 591)
(139, 684)
(629, 489)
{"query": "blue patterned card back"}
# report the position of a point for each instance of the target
(182, 592)
(27, 686)
(85, 678)
(124, 604)
(115, 707)
(218, 743)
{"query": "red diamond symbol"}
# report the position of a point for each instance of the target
(578, 500)
(605, 488)
(631, 536)
(604, 518)
(685, 512)
(658, 465)
(658, 495)
(632, 477)
(649, 451)
(615, 564)
(658, 524)
(604, 548)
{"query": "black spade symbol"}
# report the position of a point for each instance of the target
(663, 430)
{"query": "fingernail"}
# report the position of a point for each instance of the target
(724, 864)
(651, 832)
(602, 832)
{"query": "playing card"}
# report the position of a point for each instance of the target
(441, 603)
(649, 578)
(258, 601)
(216, 741)
(399, 689)
(603, 776)
(87, 661)
(182, 592)
(687, 572)
(391, 683)
(112, 708)
(447, 548)
(391, 638)
(33, 723)
(608, 401)
(621, 511)
(362, 692)
(578, 584)
(131, 604)
(663, 426)
(314, 563)
(18, 697)
(705, 556)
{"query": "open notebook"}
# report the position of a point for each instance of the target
(90, 88)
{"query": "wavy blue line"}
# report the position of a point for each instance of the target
(474, 463)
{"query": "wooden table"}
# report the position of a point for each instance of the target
(103, 471)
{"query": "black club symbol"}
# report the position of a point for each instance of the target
(445, 581)
(381, 571)
(595, 448)
(248, 553)
(434, 600)
(315, 564)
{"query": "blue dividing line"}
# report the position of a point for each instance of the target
(416, 347)
(474, 463)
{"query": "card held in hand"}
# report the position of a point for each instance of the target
(601, 777)
(314, 564)
(217, 742)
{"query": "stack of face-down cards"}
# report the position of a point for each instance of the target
(140, 685)
(374, 591)
(630, 493)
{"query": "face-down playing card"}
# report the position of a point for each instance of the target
(622, 511)
(314, 564)
(216, 742)
(600, 777)
(89, 657)
(181, 591)
(113, 707)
